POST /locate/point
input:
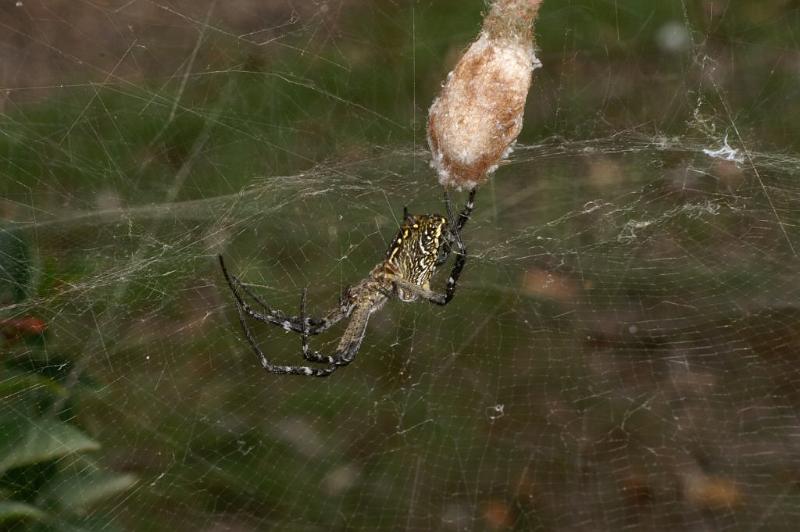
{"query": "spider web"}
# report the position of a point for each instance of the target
(622, 349)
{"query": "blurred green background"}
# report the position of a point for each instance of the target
(623, 349)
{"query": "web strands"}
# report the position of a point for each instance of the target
(644, 331)
(622, 352)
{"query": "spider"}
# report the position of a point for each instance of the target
(423, 243)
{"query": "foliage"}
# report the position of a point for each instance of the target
(48, 477)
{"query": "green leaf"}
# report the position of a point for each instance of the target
(77, 492)
(16, 511)
(40, 441)
(17, 383)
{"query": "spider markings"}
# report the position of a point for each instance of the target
(414, 252)
(423, 243)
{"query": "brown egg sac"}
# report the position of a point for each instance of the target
(475, 120)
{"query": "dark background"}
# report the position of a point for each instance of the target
(623, 349)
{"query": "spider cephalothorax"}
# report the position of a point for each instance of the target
(423, 243)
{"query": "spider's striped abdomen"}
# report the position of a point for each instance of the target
(413, 253)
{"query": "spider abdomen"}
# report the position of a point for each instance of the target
(415, 250)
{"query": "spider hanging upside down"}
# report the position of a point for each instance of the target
(423, 243)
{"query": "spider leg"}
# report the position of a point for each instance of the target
(349, 344)
(273, 368)
(461, 253)
(311, 356)
(457, 224)
(455, 274)
(450, 286)
(465, 213)
(274, 316)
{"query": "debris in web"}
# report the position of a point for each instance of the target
(725, 152)
(474, 122)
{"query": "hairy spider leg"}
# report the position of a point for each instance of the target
(450, 286)
(461, 254)
(455, 273)
(348, 345)
(274, 368)
(465, 213)
(277, 317)
(311, 356)
(459, 223)
(302, 322)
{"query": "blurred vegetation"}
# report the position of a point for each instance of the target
(48, 478)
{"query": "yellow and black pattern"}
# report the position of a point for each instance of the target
(414, 251)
